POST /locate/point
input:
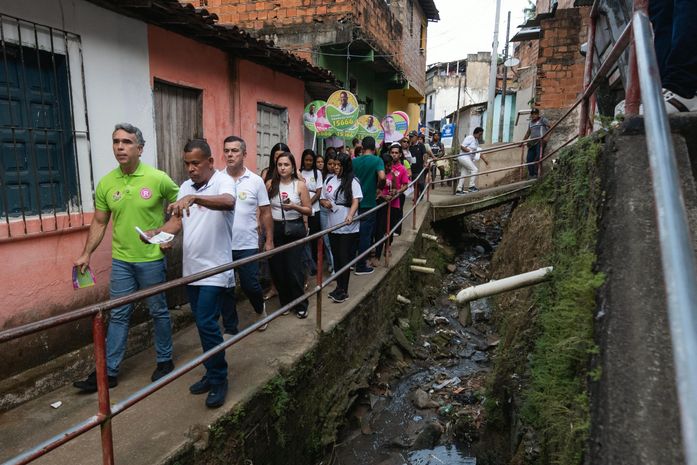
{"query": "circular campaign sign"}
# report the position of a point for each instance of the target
(323, 127)
(369, 125)
(310, 114)
(395, 126)
(342, 109)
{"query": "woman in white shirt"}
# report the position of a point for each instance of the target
(289, 202)
(340, 196)
(313, 180)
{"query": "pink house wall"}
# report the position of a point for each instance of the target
(258, 84)
(182, 61)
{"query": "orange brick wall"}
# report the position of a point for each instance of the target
(559, 64)
(385, 26)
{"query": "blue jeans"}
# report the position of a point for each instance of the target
(127, 278)
(324, 223)
(365, 235)
(533, 155)
(251, 286)
(206, 302)
(674, 24)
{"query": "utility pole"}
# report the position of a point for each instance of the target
(456, 132)
(505, 80)
(492, 75)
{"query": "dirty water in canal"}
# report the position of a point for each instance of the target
(424, 405)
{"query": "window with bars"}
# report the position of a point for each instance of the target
(40, 139)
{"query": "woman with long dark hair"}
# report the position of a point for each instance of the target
(276, 151)
(341, 196)
(313, 180)
(290, 201)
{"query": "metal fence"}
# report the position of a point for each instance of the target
(675, 241)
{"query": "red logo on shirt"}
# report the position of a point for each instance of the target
(145, 193)
(284, 195)
(330, 189)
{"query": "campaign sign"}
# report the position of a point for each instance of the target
(368, 125)
(395, 126)
(342, 109)
(323, 128)
(446, 135)
(310, 114)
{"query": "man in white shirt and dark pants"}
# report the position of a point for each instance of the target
(470, 147)
(252, 202)
(202, 209)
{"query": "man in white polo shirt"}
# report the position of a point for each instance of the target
(202, 210)
(252, 209)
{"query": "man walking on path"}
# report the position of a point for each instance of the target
(134, 195)
(537, 127)
(252, 202)
(203, 205)
(470, 145)
(370, 171)
(419, 155)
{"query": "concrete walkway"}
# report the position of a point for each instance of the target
(164, 423)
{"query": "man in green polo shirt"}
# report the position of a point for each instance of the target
(133, 195)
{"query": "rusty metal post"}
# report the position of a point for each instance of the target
(522, 162)
(540, 148)
(416, 198)
(428, 183)
(588, 72)
(99, 337)
(453, 165)
(633, 94)
(320, 273)
(388, 245)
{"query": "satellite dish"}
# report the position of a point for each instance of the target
(511, 62)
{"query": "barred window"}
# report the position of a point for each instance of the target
(41, 141)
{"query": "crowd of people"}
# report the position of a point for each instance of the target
(229, 215)
(232, 214)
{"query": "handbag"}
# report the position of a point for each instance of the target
(293, 229)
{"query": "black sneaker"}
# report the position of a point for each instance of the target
(364, 270)
(460, 193)
(201, 386)
(162, 369)
(89, 384)
(473, 189)
(302, 314)
(338, 296)
(216, 395)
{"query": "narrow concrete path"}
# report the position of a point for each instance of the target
(161, 425)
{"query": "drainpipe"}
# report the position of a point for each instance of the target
(502, 285)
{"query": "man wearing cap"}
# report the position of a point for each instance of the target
(132, 195)
(418, 154)
(470, 147)
(537, 127)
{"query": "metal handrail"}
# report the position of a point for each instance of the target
(106, 411)
(675, 240)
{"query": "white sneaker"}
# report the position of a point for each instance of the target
(673, 102)
(261, 317)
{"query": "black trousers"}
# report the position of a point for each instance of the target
(287, 270)
(381, 225)
(343, 245)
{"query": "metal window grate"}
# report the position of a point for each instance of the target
(45, 163)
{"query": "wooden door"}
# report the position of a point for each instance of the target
(178, 118)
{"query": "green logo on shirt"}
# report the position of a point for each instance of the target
(242, 195)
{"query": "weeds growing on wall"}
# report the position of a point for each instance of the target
(553, 325)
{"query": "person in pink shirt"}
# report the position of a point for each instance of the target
(396, 181)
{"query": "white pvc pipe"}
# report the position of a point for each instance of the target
(422, 269)
(502, 285)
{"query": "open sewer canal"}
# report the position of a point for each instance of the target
(424, 405)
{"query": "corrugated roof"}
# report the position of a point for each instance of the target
(200, 25)
(429, 7)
